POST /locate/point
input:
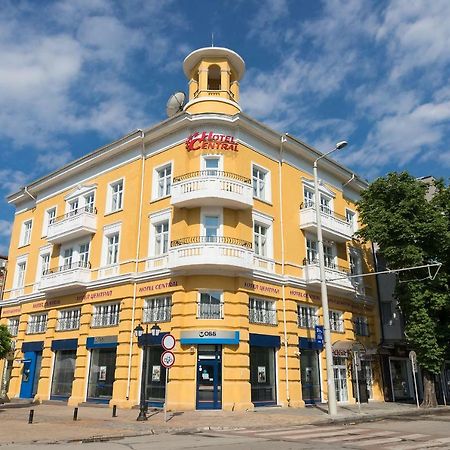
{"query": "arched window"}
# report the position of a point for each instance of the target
(214, 78)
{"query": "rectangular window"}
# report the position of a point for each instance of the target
(49, 219)
(37, 324)
(355, 261)
(158, 309)
(325, 204)
(161, 238)
(89, 200)
(211, 225)
(350, 217)
(73, 208)
(69, 319)
(112, 256)
(329, 256)
(164, 175)
(21, 269)
(307, 316)
(312, 254)
(26, 232)
(84, 255)
(13, 326)
(361, 326)
(262, 311)
(210, 306)
(308, 198)
(116, 196)
(211, 165)
(67, 258)
(260, 239)
(336, 321)
(260, 189)
(45, 263)
(106, 315)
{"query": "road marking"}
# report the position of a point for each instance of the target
(318, 435)
(389, 440)
(248, 431)
(359, 436)
(424, 444)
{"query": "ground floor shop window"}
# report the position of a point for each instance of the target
(310, 376)
(262, 375)
(155, 385)
(63, 373)
(101, 374)
(366, 370)
(340, 378)
(401, 379)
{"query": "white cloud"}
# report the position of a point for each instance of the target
(5, 228)
(52, 160)
(11, 180)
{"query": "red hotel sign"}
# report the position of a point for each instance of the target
(208, 140)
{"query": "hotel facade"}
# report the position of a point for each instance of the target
(203, 224)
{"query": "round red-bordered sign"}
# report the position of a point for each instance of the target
(168, 342)
(167, 359)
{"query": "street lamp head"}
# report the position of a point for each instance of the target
(155, 330)
(138, 331)
(341, 144)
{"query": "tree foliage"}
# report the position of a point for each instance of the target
(410, 231)
(5, 341)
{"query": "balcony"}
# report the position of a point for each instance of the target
(212, 188)
(336, 277)
(210, 252)
(66, 278)
(72, 225)
(334, 226)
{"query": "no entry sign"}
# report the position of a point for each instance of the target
(167, 359)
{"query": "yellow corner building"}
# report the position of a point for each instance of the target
(202, 226)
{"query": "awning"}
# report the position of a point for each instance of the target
(347, 345)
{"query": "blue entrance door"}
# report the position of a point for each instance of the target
(30, 374)
(209, 382)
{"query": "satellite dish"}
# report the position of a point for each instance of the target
(175, 103)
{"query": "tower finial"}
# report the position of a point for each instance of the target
(212, 39)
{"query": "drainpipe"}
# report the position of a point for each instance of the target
(280, 190)
(136, 263)
(25, 189)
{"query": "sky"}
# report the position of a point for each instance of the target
(78, 74)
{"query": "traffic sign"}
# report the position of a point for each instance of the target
(413, 358)
(319, 334)
(167, 359)
(168, 342)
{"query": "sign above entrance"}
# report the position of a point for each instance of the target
(209, 337)
(208, 140)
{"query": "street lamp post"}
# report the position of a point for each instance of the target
(138, 332)
(332, 409)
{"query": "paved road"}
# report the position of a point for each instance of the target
(432, 432)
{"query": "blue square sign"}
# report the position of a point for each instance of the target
(319, 334)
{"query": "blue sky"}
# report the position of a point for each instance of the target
(77, 74)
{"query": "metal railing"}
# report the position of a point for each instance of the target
(211, 240)
(328, 265)
(37, 326)
(157, 314)
(326, 210)
(263, 316)
(66, 267)
(105, 320)
(75, 212)
(210, 311)
(337, 325)
(212, 173)
(13, 329)
(69, 323)
(213, 92)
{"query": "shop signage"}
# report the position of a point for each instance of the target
(105, 340)
(208, 140)
(261, 288)
(158, 286)
(94, 295)
(46, 304)
(209, 337)
(11, 311)
(319, 334)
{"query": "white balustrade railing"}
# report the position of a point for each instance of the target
(334, 275)
(264, 264)
(156, 262)
(72, 225)
(332, 224)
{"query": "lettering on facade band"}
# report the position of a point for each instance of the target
(261, 288)
(208, 140)
(46, 304)
(11, 311)
(158, 286)
(94, 295)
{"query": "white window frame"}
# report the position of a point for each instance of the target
(25, 239)
(211, 156)
(74, 321)
(46, 221)
(324, 192)
(311, 319)
(199, 303)
(332, 245)
(13, 325)
(47, 250)
(266, 221)
(361, 326)
(337, 317)
(208, 211)
(252, 316)
(354, 220)
(109, 197)
(155, 219)
(157, 309)
(20, 260)
(155, 183)
(35, 325)
(109, 230)
(97, 317)
(267, 183)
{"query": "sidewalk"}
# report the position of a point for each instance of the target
(53, 423)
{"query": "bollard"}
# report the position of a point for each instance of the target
(114, 410)
(30, 417)
(75, 414)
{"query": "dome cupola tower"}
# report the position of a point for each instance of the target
(213, 74)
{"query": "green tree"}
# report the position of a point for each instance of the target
(5, 341)
(410, 231)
